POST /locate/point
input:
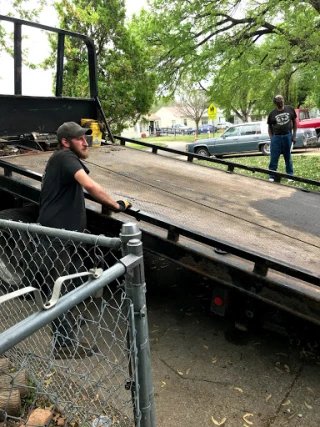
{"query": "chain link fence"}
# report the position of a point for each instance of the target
(74, 347)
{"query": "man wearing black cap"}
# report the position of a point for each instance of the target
(282, 128)
(62, 200)
(62, 205)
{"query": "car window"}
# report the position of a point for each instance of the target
(234, 131)
(303, 115)
(251, 129)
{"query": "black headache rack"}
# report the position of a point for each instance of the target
(31, 121)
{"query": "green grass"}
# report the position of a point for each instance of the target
(186, 138)
(304, 166)
(142, 147)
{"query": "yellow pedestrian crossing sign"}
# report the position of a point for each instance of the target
(212, 111)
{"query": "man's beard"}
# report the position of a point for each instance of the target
(80, 152)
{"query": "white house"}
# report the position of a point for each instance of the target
(166, 117)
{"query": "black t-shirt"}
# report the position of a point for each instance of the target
(281, 121)
(62, 199)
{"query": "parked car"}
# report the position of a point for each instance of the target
(246, 137)
(203, 129)
(179, 128)
(224, 125)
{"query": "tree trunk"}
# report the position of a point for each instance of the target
(10, 401)
(16, 381)
(4, 365)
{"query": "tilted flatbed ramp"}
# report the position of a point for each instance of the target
(275, 221)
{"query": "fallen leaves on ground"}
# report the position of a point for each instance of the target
(246, 420)
(218, 423)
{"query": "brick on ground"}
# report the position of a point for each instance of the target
(38, 417)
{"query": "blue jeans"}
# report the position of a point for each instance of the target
(281, 144)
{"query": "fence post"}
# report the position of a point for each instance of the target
(129, 231)
(130, 236)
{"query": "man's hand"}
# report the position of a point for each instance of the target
(123, 205)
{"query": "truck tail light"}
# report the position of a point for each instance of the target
(219, 301)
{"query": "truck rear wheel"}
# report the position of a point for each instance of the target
(16, 248)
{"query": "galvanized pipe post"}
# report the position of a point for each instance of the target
(129, 231)
(144, 357)
(135, 283)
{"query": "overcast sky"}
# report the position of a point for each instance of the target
(39, 82)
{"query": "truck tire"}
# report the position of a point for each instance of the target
(16, 248)
(203, 152)
(265, 149)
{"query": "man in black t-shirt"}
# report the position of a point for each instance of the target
(282, 128)
(62, 199)
(62, 205)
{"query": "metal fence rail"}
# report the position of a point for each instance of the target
(73, 328)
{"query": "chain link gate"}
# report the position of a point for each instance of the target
(73, 329)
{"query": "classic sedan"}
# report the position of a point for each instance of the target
(246, 137)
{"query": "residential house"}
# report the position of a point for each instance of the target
(172, 115)
(144, 126)
(165, 117)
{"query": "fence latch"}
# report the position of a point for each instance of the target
(94, 273)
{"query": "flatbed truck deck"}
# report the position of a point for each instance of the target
(276, 221)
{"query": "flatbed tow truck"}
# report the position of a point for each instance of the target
(271, 231)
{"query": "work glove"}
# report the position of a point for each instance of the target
(123, 205)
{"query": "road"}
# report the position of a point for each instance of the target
(202, 369)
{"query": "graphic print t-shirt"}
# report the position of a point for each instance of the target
(281, 121)
(62, 199)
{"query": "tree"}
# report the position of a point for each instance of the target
(125, 87)
(204, 40)
(19, 9)
(193, 103)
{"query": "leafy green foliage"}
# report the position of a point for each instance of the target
(19, 9)
(242, 52)
(125, 87)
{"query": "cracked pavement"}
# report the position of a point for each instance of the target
(204, 373)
